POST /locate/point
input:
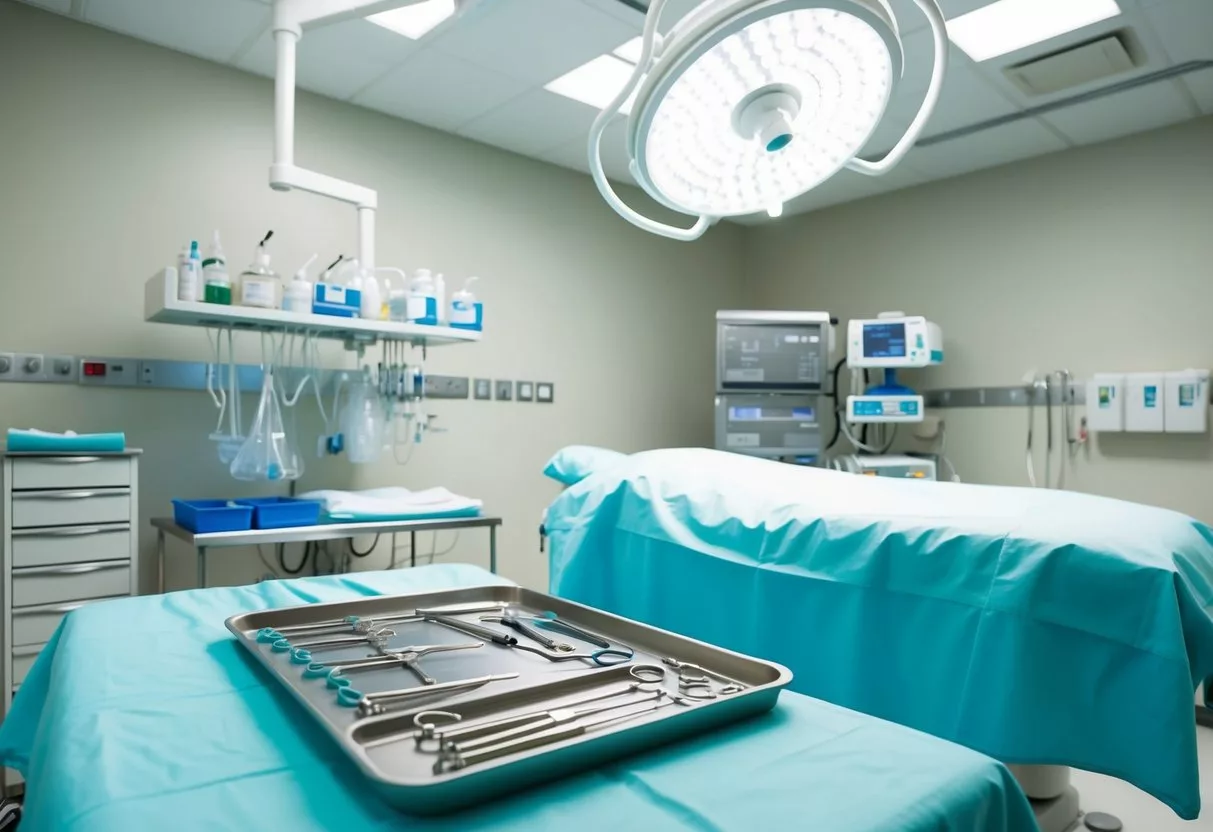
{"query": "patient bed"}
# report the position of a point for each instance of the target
(1038, 627)
(144, 713)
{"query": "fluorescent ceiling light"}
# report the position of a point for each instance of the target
(595, 83)
(1008, 25)
(414, 21)
(630, 51)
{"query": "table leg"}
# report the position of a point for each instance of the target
(160, 561)
(493, 549)
(412, 548)
(201, 567)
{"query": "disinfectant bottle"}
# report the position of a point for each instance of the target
(297, 294)
(423, 303)
(259, 284)
(465, 309)
(440, 297)
(218, 285)
(187, 281)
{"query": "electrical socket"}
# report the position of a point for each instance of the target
(545, 392)
(526, 391)
(8, 366)
(30, 367)
(446, 387)
(505, 391)
(62, 369)
(484, 389)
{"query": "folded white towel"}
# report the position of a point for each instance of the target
(392, 501)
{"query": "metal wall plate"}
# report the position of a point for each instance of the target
(545, 392)
(446, 387)
(526, 391)
(483, 388)
(504, 391)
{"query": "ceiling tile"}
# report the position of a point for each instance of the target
(1132, 111)
(1200, 84)
(534, 40)
(532, 122)
(214, 29)
(439, 90)
(57, 6)
(988, 148)
(675, 10)
(1185, 28)
(336, 60)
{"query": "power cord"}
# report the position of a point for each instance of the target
(356, 553)
(307, 554)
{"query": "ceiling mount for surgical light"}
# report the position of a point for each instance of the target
(747, 104)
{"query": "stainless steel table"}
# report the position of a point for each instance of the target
(165, 526)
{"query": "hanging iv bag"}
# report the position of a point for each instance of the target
(267, 454)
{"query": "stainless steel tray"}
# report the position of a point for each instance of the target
(403, 772)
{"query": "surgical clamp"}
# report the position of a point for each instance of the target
(357, 624)
(603, 658)
(453, 759)
(334, 672)
(514, 623)
(371, 704)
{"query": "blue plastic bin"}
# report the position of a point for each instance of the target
(282, 512)
(206, 516)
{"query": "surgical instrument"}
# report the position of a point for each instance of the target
(471, 629)
(450, 732)
(453, 760)
(693, 677)
(515, 624)
(539, 721)
(359, 624)
(603, 658)
(372, 704)
(334, 672)
(551, 621)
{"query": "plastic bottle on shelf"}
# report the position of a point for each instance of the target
(217, 284)
(440, 298)
(297, 294)
(422, 302)
(466, 312)
(188, 269)
(259, 284)
(371, 302)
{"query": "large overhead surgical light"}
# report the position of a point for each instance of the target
(747, 104)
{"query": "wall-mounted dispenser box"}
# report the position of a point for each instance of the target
(1187, 401)
(1144, 397)
(1106, 402)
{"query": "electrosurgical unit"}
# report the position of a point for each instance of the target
(771, 369)
(890, 342)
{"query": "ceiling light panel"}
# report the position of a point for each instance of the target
(1009, 25)
(415, 21)
(595, 83)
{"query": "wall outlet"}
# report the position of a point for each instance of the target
(483, 389)
(30, 367)
(505, 391)
(8, 366)
(446, 387)
(545, 392)
(61, 369)
(526, 391)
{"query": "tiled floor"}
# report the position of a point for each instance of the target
(1137, 810)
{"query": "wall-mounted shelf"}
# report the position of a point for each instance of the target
(161, 306)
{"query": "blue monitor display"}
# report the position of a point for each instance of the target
(884, 340)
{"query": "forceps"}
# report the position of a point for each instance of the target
(603, 658)
(334, 672)
(514, 623)
(370, 704)
(358, 624)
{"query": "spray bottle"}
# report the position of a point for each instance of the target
(218, 288)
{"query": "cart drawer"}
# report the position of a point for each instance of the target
(71, 472)
(56, 584)
(23, 660)
(71, 508)
(70, 544)
(36, 625)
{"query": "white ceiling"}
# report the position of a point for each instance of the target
(482, 76)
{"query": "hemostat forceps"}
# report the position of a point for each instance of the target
(334, 672)
(514, 623)
(370, 704)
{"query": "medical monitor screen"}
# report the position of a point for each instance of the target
(884, 341)
(770, 356)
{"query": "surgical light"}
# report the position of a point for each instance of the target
(747, 104)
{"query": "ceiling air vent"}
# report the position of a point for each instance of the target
(1076, 66)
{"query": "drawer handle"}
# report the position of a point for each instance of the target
(55, 610)
(69, 532)
(69, 460)
(61, 495)
(74, 569)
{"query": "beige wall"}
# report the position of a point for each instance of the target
(1095, 259)
(113, 151)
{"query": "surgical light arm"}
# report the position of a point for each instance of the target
(291, 17)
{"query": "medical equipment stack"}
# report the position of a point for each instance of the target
(890, 342)
(70, 538)
(770, 376)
